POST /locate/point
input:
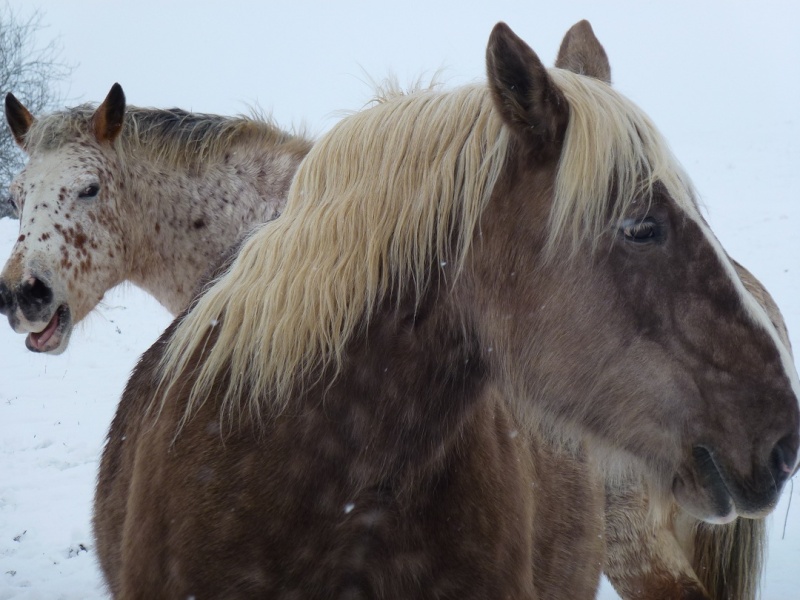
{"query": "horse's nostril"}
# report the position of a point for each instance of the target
(40, 291)
(783, 457)
(35, 292)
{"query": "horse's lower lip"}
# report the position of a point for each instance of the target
(49, 338)
(716, 507)
(704, 493)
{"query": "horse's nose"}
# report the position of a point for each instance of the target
(783, 458)
(34, 294)
(6, 299)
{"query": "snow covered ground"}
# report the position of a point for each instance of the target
(721, 80)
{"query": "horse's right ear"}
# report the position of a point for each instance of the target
(107, 119)
(524, 94)
(19, 119)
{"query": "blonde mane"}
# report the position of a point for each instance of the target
(172, 137)
(376, 203)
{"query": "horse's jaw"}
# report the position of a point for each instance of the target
(54, 337)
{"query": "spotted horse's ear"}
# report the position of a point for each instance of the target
(526, 97)
(107, 119)
(582, 53)
(19, 119)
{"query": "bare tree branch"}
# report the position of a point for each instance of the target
(31, 71)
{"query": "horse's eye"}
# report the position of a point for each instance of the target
(641, 231)
(90, 191)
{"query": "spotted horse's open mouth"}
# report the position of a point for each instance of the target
(50, 338)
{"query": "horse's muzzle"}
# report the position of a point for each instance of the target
(33, 297)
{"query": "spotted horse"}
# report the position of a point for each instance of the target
(117, 193)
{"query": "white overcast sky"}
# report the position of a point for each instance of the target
(304, 61)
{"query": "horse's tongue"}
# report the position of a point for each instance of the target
(39, 340)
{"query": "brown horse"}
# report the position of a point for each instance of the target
(349, 409)
(149, 196)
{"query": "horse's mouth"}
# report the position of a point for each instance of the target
(51, 339)
(702, 490)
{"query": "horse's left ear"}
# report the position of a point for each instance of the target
(582, 53)
(19, 119)
(526, 97)
(107, 118)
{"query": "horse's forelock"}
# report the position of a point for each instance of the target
(50, 132)
(612, 156)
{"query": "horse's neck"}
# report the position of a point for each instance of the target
(407, 378)
(186, 220)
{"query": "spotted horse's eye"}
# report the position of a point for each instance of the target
(90, 191)
(9, 207)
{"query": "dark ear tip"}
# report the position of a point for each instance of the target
(501, 31)
(116, 93)
(501, 40)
